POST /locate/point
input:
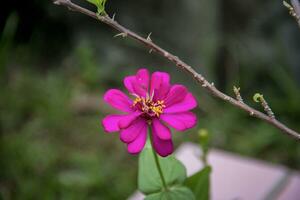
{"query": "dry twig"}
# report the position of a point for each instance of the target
(182, 65)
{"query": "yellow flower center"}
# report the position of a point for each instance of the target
(148, 106)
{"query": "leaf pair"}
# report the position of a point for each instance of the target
(179, 186)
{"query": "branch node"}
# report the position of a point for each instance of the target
(251, 113)
(237, 93)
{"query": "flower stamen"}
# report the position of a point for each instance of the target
(148, 106)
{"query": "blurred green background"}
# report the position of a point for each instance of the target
(56, 64)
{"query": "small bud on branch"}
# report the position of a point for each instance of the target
(260, 98)
(238, 96)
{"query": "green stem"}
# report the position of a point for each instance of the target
(158, 166)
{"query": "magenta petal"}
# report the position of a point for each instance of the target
(160, 85)
(110, 123)
(139, 83)
(162, 147)
(180, 121)
(129, 134)
(188, 103)
(138, 144)
(161, 130)
(143, 78)
(128, 119)
(176, 94)
(129, 81)
(117, 99)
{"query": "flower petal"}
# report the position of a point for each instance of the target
(128, 119)
(160, 85)
(110, 123)
(117, 99)
(176, 94)
(138, 84)
(138, 144)
(161, 130)
(162, 147)
(129, 134)
(180, 121)
(188, 103)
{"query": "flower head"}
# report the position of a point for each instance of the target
(155, 104)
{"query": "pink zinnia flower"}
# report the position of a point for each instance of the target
(156, 103)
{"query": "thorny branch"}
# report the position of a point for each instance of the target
(294, 9)
(124, 32)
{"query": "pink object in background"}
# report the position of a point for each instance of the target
(238, 178)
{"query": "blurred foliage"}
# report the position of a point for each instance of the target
(55, 64)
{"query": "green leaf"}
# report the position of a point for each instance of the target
(149, 180)
(176, 193)
(100, 4)
(199, 183)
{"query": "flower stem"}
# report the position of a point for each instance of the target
(158, 166)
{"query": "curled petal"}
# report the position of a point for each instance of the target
(176, 95)
(129, 134)
(160, 85)
(138, 144)
(161, 130)
(180, 121)
(111, 123)
(139, 83)
(117, 99)
(162, 147)
(189, 102)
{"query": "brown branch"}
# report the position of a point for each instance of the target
(267, 108)
(294, 9)
(182, 65)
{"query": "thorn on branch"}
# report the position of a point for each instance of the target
(237, 93)
(121, 34)
(148, 37)
(226, 98)
(113, 17)
(293, 9)
(260, 98)
(149, 40)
